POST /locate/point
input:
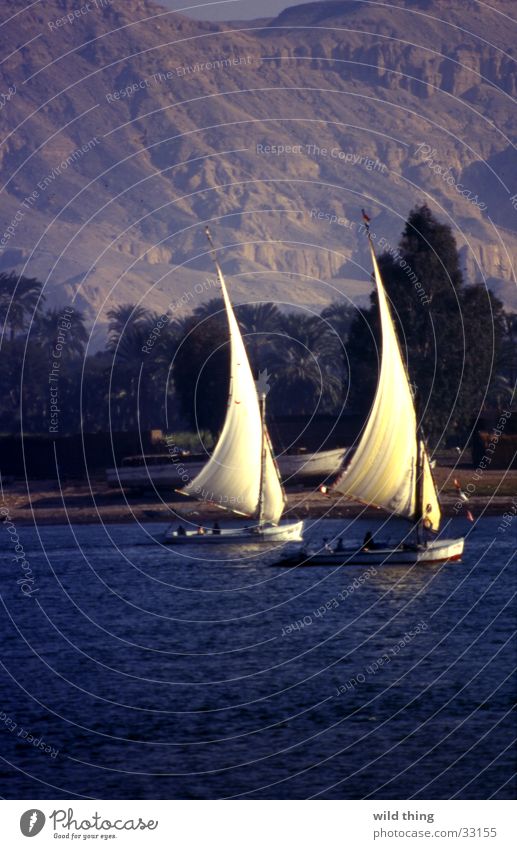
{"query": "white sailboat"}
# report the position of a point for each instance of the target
(390, 467)
(241, 475)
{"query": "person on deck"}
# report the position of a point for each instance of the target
(216, 528)
(368, 543)
(200, 531)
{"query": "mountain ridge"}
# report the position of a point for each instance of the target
(187, 115)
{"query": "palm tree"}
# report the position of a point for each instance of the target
(46, 328)
(19, 298)
(340, 315)
(201, 366)
(121, 318)
(306, 366)
(261, 325)
(262, 317)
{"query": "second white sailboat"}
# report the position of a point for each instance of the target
(241, 475)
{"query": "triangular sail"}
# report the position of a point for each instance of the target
(232, 476)
(383, 470)
(431, 512)
(273, 500)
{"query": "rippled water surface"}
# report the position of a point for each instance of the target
(150, 672)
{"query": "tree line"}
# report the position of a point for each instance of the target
(459, 344)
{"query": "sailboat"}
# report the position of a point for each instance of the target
(241, 475)
(390, 468)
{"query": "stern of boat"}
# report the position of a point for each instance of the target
(284, 532)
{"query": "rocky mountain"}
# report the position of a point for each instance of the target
(126, 128)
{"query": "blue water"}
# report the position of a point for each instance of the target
(152, 674)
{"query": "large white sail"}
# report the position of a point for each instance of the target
(233, 475)
(383, 470)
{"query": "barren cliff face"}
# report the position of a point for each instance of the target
(126, 128)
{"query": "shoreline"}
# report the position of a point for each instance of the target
(44, 503)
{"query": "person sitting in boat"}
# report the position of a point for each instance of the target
(181, 532)
(200, 531)
(427, 527)
(340, 546)
(368, 542)
(216, 529)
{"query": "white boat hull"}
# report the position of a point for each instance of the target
(269, 534)
(319, 465)
(437, 551)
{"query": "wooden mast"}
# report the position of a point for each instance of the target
(260, 506)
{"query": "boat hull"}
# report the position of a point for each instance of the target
(437, 551)
(282, 533)
(318, 465)
(168, 474)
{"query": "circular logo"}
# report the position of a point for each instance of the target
(31, 822)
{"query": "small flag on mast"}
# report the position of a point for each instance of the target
(366, 217)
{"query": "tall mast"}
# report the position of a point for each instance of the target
(260, 506)
(419, 470)
(419, 512)
(213, 253)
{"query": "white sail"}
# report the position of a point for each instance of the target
(430, 505)
(233, 475)
(383, 470)
(273, 501)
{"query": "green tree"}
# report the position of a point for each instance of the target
(261, 327)
(122, 319)
(44, 331)
(201, 367)
(306, 367)
(19, 297)
(507, 365)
